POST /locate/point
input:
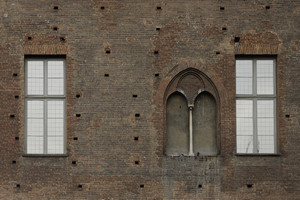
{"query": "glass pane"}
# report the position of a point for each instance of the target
(244, 68)
(266, 144)
(35, 69)
(244, 86)
(55, 127)
(265, 126)
(265, 108)
(244, 144)
(244, 126)
(35, 109)
(265, 86)
(264, 68)
(55, 69)
(35, 86)
(55, 109)
(55, 86)
(35, 127)
(244, 108)
(35, 145)
(55, 145)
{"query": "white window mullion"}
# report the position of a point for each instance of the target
(46, 78)
(45, 127)
(64, 126)
(255, 140)
(46, 107)
(275, 125)
(254, 78)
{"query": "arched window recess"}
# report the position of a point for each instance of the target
(191, 115)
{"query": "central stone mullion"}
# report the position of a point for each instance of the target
(191, 153)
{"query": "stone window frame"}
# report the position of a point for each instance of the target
(208, 86)
(254, 97)
(45, 98)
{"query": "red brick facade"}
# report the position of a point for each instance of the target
(120, 58)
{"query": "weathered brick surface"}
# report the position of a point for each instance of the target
(191, 32)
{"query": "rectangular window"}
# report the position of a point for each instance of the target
(255, 105)
(45, 105)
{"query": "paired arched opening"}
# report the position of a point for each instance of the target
(191, 117)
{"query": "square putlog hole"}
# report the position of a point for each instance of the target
(236, 39)
(62, 39)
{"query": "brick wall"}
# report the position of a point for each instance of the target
(142, 46)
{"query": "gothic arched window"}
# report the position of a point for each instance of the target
(191, 115)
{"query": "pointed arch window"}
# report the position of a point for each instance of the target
(191, 116)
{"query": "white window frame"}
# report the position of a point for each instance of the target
(45, 98)
(254, 97)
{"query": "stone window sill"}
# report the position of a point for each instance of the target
(45, 155)
(258, 154)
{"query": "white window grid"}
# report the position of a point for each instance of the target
(253, 146)
(44, 138)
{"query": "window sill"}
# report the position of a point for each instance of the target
(258, 154)
(194, 156)
(45, 155)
